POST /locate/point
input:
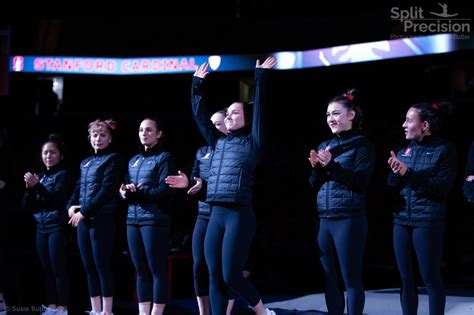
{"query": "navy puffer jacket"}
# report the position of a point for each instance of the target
(48, 198)
(424, 189)
(343, 182)
(235, 156)
(151, 203)
(232, 166)
(97, 190)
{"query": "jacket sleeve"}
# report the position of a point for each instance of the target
(436, 185)
(200, 112)
(113, 177)
(162, 191)
(357, 179)
(74, 199)
(393, 180)
(39, 197)
(259, 120)
(29, 201)
(318, 177)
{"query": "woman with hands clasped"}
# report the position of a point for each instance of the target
(341, 172)
(46, 196)
(149, 216)
(423, 172)
(91, 210)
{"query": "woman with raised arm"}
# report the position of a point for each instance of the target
(229, 190)
(198, 183)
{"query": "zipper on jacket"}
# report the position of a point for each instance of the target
(136, 181)
(85, 180)
(338, 142)
(220, 165)
(416, 156)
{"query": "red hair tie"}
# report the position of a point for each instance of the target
(435, 106)
(111, 125)
(349, 97)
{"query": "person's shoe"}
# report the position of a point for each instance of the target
(269, 312)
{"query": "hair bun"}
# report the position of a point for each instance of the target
(57, 138)
(352, 95)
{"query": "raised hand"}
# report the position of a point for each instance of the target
(201, 71)
(269, 63)
(177, 181)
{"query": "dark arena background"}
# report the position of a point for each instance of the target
(286, 260)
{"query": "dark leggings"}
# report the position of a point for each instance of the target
(51, 248)
(428, 243)
(226, 246)
(96, 242)
(201, 273)
(149, 248)
(347, 237)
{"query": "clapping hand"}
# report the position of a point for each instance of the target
(397, 166)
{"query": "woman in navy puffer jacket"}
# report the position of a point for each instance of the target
(46, 195)
(91, 210)
(229, 192)
(424, 173)
(342, 169)
(149, 216)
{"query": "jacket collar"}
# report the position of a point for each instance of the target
(427, 140)
(157, 148)
(241, 132)
(103, 152)
(54, 169)
(347, 134)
